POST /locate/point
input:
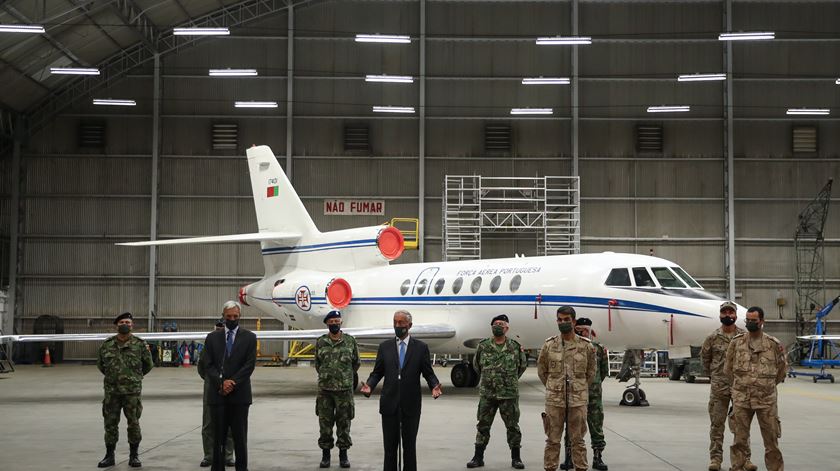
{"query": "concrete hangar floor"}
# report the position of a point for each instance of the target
(51, 419)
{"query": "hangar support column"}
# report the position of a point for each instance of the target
(16, 209)
(153, 222)
(729, 163)
(290, 88)
(421, 174)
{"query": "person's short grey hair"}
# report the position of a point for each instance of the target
(230, 305)
(404, 313)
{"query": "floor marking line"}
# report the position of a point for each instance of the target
(646, 450)
(163, 443)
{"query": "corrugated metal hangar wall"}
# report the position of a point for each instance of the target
(76, 203)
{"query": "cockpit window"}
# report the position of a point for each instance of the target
(619, 277)
(685, 276)
(642, 277)
(667, 278)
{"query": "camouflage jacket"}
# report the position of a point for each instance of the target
(713, 355)
(500, 367)
(558, 359)
(124, 364)
(336, 361)
(754, 369)
(602, 370)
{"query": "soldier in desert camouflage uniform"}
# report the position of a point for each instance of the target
(124, 359)
(500, 361)
(336, 361)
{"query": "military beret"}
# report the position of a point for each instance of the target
(332, 315)
(584, 321)
(220, 323)
(125, 315)
(500, 317)
(729, 305)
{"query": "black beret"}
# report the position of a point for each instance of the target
(125, 315)
(500, 317)
(584, 321)
(220, 323)
(332, 315)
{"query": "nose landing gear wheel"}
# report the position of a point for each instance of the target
(634, 396)
(464, 376)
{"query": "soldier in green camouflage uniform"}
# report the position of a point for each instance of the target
(124, 359)
(336, 361)
(500, 361)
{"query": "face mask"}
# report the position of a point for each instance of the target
(334, 328)
(231, 324)
(400, 331)
(565, 327)
(123, 328)
(752, 326)
(498, 330)
(727, 320)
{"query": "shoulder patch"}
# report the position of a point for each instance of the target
(551, 338)
(584, 338)
(739, 335)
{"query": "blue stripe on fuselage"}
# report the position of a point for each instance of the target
(319, 247)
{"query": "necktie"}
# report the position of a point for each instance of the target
(229, 345)
(402, 353)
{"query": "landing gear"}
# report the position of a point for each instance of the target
(633, 395)
(464, 376)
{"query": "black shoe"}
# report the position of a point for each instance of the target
(568, 463)
(515, 459)
(343, 460)
(108, 461)
(478, 459)
(134, 455)
(205, 463)
(597, 462)
(230, 463)
(325, 459)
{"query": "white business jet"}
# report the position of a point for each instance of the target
(634, 301)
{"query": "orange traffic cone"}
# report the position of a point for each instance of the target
(47, 359)
(186, 363)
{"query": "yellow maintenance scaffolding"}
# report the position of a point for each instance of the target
(298, 350)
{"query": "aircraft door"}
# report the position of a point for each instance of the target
(423, 284)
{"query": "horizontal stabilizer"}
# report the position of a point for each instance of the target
(257, 237)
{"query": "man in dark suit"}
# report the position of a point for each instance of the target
(401, 361)
(231, 355)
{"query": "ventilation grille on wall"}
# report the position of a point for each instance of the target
(649, 138)
(225, 136)
(805, 140)
(497, 138)
(92, 134)
(356, 137)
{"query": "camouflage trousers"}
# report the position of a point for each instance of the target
(132, 406)
(718, 410)
(771, 431)
(554, 424)
(335, 408)
(508, 409)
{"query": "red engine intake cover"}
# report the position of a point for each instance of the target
(242, 296)
(339, 293)
(391, 243)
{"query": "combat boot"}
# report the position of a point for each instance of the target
(343, 460)
(714, 466)
(325, 458)
(515, 459)
(597, 462)
(568, 463)
(134, 456)
(749, 466)
(477, 460)
(108, 461)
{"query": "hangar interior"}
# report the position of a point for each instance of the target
(718, 191)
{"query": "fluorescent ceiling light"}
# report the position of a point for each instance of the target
(545, 81)
(564, 41)
(521, 111)
(382, 38)
(837, 81)
(111, 102)
(809, 111)
(22, 29)
(255, 104)
(701, 77)
(389, 78)
(73, 71)
(746, 36)
(233, 72)
(201, 32)
(393, 109)
(669, 109)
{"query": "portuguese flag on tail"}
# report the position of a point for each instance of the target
(272, 191)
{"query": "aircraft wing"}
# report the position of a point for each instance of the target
(429, 331)
(819, 337)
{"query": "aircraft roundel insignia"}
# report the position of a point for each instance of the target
(303, 298)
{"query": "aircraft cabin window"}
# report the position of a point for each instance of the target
(666, 278)
(495, 283)
(642, 277)
(404, 287)
(439, 285)
(421, 286)
(457, 284)
(476, 285)
(685, 276)
(619, 277)
(515, 282)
